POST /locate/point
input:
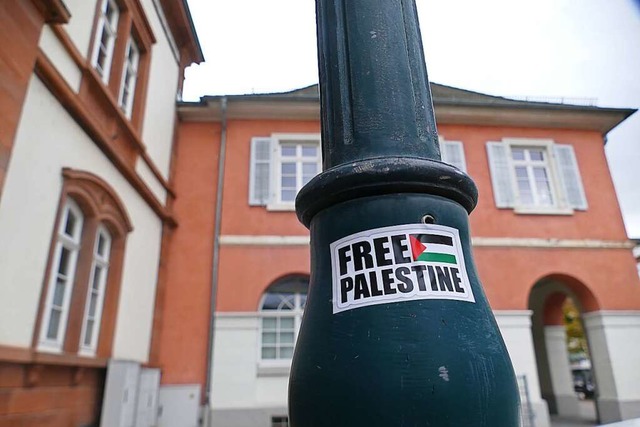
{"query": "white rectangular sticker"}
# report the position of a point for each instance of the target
(396, 264)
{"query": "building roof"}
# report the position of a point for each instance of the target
(181, 23)
(452, 106)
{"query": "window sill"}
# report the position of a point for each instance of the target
(27, 355)
(274, 369)
(281, 207)
(49, 347)
(85, 352)
(539, 210)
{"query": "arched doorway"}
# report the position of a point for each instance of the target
(551, 301)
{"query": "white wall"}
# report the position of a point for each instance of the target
(158, 21)
(57, 54)
(555, 337)
(156, 187)
(614, 341)
(159, 117)
(515, 327)
(81, 22)
(237, 380)
(48, 139)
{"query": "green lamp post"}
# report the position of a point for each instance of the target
(397, 330)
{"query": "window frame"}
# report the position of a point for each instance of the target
(275, 202)
(101, 209)
(503, 176)
(299, 284)
(529, 165)
(56, 344)
(98, 261)
(296, 313)
(445, 142)
(133, 25)
(560, 205)
(127, 105)
(97, 41)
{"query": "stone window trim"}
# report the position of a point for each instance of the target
(101, 207)
(562, 175)
(132, 26)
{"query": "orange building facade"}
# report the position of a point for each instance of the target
(547, 227)
(87, 130)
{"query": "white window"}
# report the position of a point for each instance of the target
(105, 38)
(452, 152)
(129, 77)
(281, 312)
(95, 292)
(535, 176)
(280, 166)
(62, 274)
(296, 163)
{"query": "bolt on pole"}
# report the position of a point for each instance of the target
(397, 330)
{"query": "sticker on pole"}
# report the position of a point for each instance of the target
(397, 264)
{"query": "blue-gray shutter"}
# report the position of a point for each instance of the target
(259, 172)
(453, 154)
(569, 175)
(503, 191)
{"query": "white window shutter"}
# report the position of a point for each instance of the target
(503, 191)
(453, 154)
(570, 176)
(259, 173)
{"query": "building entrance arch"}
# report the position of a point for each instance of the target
(550, 302)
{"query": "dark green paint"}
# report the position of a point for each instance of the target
(414, 363)
(381, 365)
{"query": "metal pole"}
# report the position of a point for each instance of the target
(397, 330)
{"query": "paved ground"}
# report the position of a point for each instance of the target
(587, 417)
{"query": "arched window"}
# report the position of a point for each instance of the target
(83, 281)
(281, 311)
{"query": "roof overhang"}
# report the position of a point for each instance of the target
(250, 108)
(551, 116)
(184, 32)
(54, 11)
(521, 114)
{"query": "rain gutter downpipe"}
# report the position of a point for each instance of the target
(216, 250)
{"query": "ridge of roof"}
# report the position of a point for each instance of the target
(441, 94)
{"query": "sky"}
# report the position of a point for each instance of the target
(585, 49)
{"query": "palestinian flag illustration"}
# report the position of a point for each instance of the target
(433, 248)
